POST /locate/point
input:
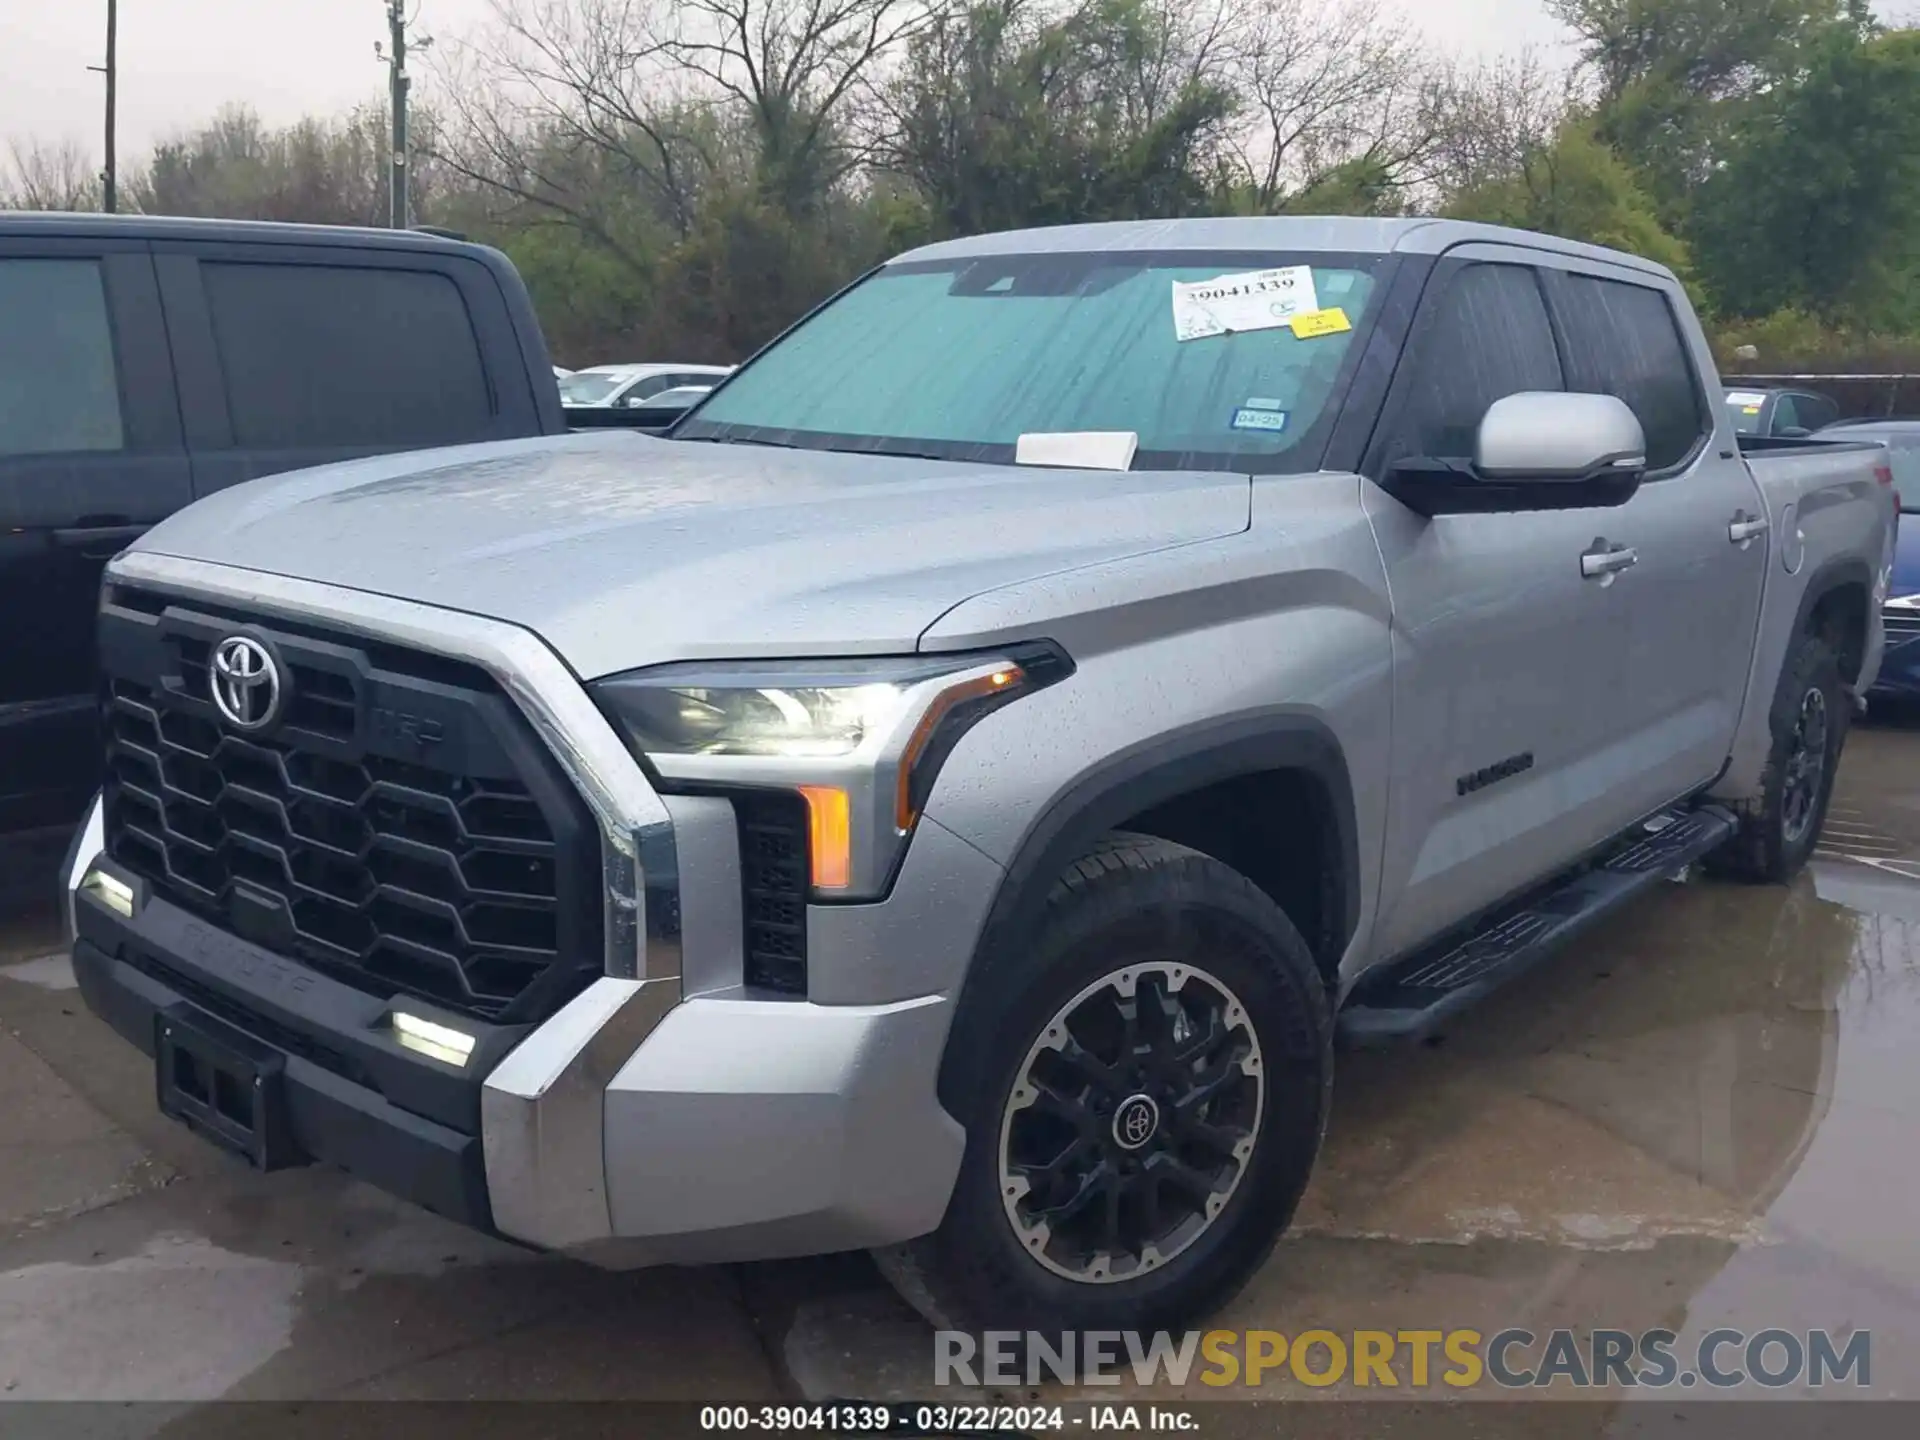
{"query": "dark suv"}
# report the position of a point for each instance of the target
(145, 363)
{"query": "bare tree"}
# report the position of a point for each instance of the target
(562, 108)
(1495, 116)
(797, 67)
(35, 176)
(1326, 84)
(583, 109)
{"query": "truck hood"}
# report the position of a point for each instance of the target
(624, 550)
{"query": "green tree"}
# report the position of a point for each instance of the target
(1817, 206)
(1577, 188)
(1671, 75)
(1008, 116)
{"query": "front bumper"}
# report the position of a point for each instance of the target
(663, 1114)
(726, 1129)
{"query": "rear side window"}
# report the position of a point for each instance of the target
(336, 356)
(1488, 337)
(59, 386)
(1624, 340)
(1817, 412)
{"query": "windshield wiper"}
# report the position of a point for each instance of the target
(739, 440)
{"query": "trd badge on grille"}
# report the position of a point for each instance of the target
(245, 681)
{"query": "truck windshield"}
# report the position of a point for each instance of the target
(1215, 361)
(1744, 408)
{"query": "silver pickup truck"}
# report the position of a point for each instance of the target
(950, 795)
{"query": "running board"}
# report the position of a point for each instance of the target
(1409, 999)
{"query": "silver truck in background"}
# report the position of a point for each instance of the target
(950, 794)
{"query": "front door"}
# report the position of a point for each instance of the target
(1504, 650)
(90, 456)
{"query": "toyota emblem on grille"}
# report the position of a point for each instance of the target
(245, 680)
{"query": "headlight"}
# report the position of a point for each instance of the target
(861, 740)
(1904, 602)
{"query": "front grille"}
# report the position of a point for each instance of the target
(398, 829)
(1900, 624)
(773, 889)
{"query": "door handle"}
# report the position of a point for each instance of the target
(1746, 528)
(98, 542)
(1603, 561)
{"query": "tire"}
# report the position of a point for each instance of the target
(1779, 829)
(1199, 941)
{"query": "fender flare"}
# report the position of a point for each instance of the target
(1833, 576)
(1138, 779)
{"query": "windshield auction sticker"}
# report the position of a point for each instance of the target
(1252, 300)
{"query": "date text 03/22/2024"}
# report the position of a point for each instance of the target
(944, 1419)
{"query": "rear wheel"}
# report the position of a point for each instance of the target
(1144, 1090)
(1811, 712)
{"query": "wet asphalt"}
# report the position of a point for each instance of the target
(1705, 1114)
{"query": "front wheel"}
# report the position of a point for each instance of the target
(1779, 829)
(1145, 1088)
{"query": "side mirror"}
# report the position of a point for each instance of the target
(1795, 432)
(1552, 438)
(1538, 450)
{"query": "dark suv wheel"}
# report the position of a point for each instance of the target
(1810, 717)
(1145, 1108)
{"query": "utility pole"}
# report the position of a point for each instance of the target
(111, 70)
(400, 82)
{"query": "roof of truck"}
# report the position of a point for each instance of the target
(1333, 233)
(177, 227)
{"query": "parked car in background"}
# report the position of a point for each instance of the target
(1782, 414)
(653, 415)
(948, 795)
(608, 387)
(1900, 670)
(145, 363)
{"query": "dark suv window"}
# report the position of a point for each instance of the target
(1487, 338)
(339, 357)
(59, 389)
(1624, 340)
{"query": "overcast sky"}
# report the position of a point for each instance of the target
(180, 60)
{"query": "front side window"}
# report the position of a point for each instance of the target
(957, 359)
(649, 387)
(59, 386)
(341, 356)
(1624, 340)
(1817, 412)
(1786, 415)
(581, 388)
(1487, 337)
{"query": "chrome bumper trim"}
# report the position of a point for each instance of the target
(89, 843)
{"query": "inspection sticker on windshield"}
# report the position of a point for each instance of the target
(1316, 323)
(1252, 300)
(1746, 397)
(1260, 415)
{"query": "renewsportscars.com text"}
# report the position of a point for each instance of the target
(1408, 1359)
